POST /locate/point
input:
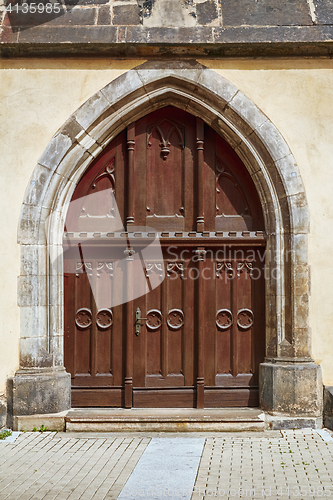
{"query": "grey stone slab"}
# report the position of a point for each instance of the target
(206, 12)
(273, 140)
(73, 17)
(34, 259)
(34, 321)
(70, 34)
(104, 15)
(285, 377)
(166, 465)
(247, 110)
(126, 15)
(123, 86)
(55, 151)
(168, 13)
(217, 85)
(323, 11)
(299, 213)
(38, 185)
(91, 110)
(41, 391)
(290, 174)
(186, 73)
(72, 160)
(32, 291)
(265, 13)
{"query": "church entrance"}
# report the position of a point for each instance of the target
(164, 271)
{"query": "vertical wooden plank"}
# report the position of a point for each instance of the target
(131, 173)
(209, 175)
(129, 331)
(164, 328)
(208, 278)
(234, 328)
(200, 177)
(93, 338)
(69, 325)
(200, 252)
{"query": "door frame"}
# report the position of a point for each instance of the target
(266, 155)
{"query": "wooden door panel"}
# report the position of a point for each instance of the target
(203, 338)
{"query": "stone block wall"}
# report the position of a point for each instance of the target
(206, 27)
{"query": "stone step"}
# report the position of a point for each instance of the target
(164, 420)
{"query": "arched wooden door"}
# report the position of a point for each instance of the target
(202, 338)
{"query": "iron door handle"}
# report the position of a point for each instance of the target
(138, 320)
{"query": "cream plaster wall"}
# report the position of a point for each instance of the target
(297, 96)
(37, 96)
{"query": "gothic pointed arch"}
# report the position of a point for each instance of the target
(269, 161)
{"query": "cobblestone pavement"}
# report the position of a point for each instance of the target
(78, 466)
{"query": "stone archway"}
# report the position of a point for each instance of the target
(290, 380)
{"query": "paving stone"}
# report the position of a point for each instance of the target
(46, 466)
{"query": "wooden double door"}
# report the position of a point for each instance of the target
(164, 271)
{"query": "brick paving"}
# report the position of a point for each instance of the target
(48, 466)
(272, 465)
(258, 465)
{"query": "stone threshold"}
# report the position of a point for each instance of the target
(149, 420)
(164, 420)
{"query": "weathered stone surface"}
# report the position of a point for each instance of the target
(328, 403)
(126, 15)
(123, 86)
(104, 15)
(41, 392)
(32, 291)
(31, 229)
(247, 110)
(280, 37)
(34, 322)
(34, 352)
(3, 411)
(278, 422)
(70, 34)
(300, 213)
(91, 110)
(38, 186)
(292, 181)
(85, 2)
(168, 13)
(272, 138)
(207, 12)
(199, 41)
(52, 421)
(55, 151)
(222, 88)
(265, 12)
(73, 17)
(293, 388)
(324, 11)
